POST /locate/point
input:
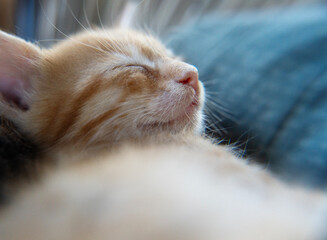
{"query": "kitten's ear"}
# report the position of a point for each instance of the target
(18, 67)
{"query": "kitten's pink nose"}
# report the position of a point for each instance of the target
(190, 78)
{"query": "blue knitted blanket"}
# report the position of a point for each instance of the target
(269, 68)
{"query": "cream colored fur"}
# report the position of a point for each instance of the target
(174, 191)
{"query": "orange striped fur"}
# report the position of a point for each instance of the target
(105, 86)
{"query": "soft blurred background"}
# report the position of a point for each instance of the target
(50, 19)
(263, 63)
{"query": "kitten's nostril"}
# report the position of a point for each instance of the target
(186, 81)
(190, 78)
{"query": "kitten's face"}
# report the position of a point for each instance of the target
(109, 86)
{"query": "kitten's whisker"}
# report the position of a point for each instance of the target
(213, 114)
(213, 125)
(49, 40)
(217, 128)
(99, 17)
(210, 81)
(61, 32)
(225, 111)
(216, 101)
(189, 118)
(74, 16)
(213, 94)
(113, 10)
(46, 40)
(107, 45)
(85, 16)
(247, 132)
(112, 44)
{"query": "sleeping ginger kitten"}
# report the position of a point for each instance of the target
(98, 87)
(121, 88)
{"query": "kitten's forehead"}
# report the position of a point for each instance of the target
(125, 42)
(112, 48)
(96, 52)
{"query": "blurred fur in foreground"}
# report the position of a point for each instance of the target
(173, 191)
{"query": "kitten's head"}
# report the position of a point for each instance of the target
(98, 87)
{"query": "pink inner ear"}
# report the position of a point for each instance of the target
(12, 89)
(17, 59)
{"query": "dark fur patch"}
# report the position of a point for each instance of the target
(18, 157)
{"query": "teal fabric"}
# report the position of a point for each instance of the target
(270, 70)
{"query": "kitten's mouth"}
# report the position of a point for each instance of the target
(190, 110)
(186, 116)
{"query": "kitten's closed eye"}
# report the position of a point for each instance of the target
(137, 66)
(142, 68)
(132, 66)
